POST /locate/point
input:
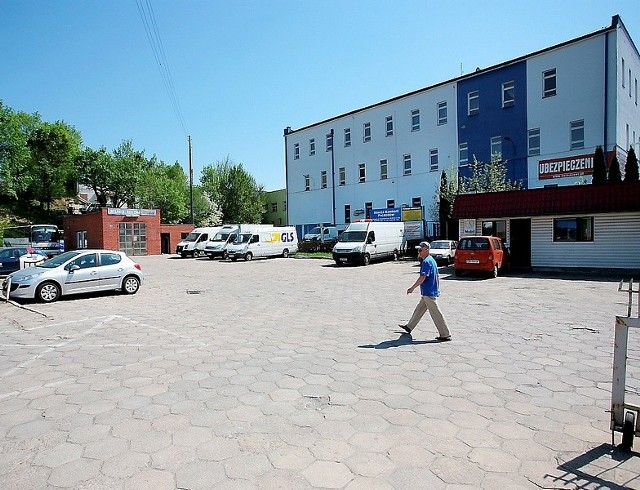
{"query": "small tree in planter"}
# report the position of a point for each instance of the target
(614, 171)
(631, 167)
(599, 167)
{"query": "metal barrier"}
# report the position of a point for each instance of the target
(625, 417)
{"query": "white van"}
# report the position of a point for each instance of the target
(217, 245)
(321, 233)
(193, 244)
(365, 240)
(269, 242)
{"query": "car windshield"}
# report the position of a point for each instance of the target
(244, 238)
(220, 237)
(440, 244)
(353, 236)
(474, 244)
(58, 260)
(9, 253)
(314, 231)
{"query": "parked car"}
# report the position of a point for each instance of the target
(79, 271)
(443, 251)
(10, 259)
(480, 254)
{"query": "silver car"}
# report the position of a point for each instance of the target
(80, 271)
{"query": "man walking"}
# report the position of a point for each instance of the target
(429, 283)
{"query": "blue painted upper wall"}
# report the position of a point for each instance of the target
(494, 120)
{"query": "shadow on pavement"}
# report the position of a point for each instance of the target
(404, 339)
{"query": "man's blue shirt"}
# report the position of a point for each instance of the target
(431, 285)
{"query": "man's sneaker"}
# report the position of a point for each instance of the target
(405, 328)
(444, 339)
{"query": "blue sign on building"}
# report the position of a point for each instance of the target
(386, 214)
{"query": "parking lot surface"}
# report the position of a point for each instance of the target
(293, 374)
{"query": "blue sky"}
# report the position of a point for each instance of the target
(242, 71)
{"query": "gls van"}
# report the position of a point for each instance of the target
(217, 245)
(193, 244)
(366, 240)
(269, 242)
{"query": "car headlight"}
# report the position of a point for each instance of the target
(29, 277)
(357, 249)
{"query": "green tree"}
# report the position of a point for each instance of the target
(206, 212)
(53, 150)
(234, 190)
(614, 171)
(94, 170)
(599, 167)
(164, 187)
(631, 167)
(446, 195)
(487, 177)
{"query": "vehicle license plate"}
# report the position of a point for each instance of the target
(343, 259)
(473, 261)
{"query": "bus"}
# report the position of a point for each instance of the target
(44, 238)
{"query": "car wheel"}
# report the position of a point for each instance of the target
(130, 285)
(366, 259)
(248, 256)
(48, 292)
(285, 253)
(196, 254)
(494, 272)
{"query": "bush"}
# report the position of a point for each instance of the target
(316, 246)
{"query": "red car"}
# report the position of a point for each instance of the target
(480, 254)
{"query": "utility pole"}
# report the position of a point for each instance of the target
(190, 181)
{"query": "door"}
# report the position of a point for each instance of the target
(111, 270)
(85, 278)
(165, 243)
(520, 243)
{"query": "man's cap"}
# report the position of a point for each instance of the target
(424, 245)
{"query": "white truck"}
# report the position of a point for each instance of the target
(264, 242)
(217, 245)
(366, 240)
(193, 244)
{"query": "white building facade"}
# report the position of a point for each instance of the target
(544, 114)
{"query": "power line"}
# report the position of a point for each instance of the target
(153, 35)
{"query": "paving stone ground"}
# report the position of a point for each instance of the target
(293, 374)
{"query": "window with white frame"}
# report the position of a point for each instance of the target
(307, 182)
(361, 172)
(534, 141)
(296, 151)
(347, 136)
(416, 202)
(636, 91)
(329, 141)
(473, 103)
(623, 71)
(407, 164)
(323, 179)
(81, 239)
(342, 176)
(415, 120)
(383, 169)
(442, 113)
(549, 83)
(463, 154)
(577, 134)
(496, 148)
(366, 132)
(433, 159)
(312, 147)
(391, 203)
(389, 125)
(347, 213)
(629, 82)
(508, 94)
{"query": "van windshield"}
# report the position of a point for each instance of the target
(353, 236)
(191, 237)
(244, 238)
(314, 231)
(439, 244)
(220, 237)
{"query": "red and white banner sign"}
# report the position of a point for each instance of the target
(567, 167)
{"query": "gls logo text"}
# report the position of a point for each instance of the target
(287, 237)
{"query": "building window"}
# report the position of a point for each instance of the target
(549, 83)
(132, 238)
(296, 151)
(391, 203)
(347, 213)
(274, 207)
(342, 176)
(81, 239)
(636, 90)
(433, 159)
(347, 137)
(323, 179)
(407, 165)
(361, 172)
(307, 182)
(495, 228)
(534, 141)
(496, 148)
(416, 202)
(473, 103)
(442, 113)
(284, 205)
(389, 126)
(629, 82)
(329, 141)
(508, 94)
(573, 230)
(368, 206)
(577, 134)
(383, 169)
(623, 71)
(463, 154)
(415, 120)
(366, 132)
(312, 147)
